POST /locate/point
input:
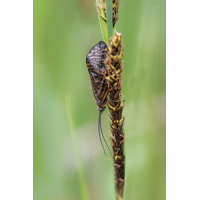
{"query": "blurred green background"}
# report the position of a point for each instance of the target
(64, 32)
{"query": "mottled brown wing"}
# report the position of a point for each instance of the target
(96, 68)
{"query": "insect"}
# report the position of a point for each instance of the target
(97, 71)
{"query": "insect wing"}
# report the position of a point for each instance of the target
(96, 68)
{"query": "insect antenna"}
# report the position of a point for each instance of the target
(102, 133)
(99, 132)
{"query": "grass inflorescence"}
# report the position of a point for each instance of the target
(116, 106)
(114, 67)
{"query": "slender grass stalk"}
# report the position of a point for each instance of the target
(101, 10)
(108, 13)
(109, 18)
(116, 105)
(83, 185)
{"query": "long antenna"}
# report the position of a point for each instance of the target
(102, 133)
(99, 133)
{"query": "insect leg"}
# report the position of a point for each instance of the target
(102, 133)
(105, 94)
(99, 133)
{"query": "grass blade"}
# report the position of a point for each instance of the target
(84, 189)
(109, 18)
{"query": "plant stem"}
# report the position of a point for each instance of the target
(109, 18)
(116, 107)
(109, 15)
(84, 189)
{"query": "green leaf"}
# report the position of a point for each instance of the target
(83, 185)
(109, 18)
(106, 27)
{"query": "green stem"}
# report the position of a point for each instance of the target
(84, 189)
(109, 18)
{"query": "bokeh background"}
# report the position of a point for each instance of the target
(64, 32)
